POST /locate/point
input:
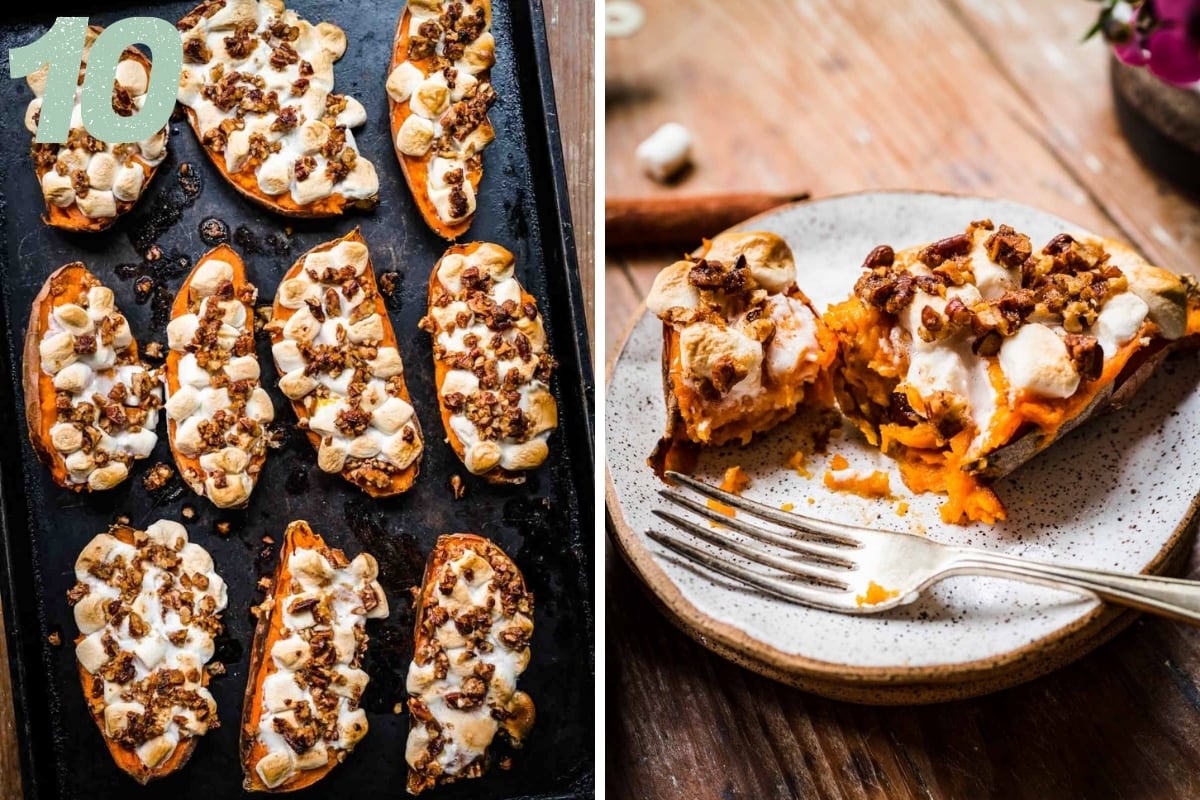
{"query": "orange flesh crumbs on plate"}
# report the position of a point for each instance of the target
(839, 462)
(874, 485)
(735, 481)
(799, 462)
(964, 358)
(901, 509)
(787, 507)
(875, 594)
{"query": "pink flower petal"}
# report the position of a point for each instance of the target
(1174, 10)
(1131, 52)
(1173, 58)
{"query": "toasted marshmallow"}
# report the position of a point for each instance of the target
(133, 76)
(415, 136)
(403, 82)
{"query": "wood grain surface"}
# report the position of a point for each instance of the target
(974, 96)
(570, 28)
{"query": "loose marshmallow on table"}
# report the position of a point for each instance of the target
(666, 152)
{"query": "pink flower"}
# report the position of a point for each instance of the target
(1164, 36)
(1173, 57)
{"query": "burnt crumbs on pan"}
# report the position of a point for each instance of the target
(964, 357)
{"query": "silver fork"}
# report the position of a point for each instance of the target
(830, 565)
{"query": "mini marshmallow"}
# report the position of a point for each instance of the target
(666, 151)
(181, 331)
(101, 170)
(133, 76)
(403, 81)
(415, 136)
(58, 189)
(242, 368)
(97, 204)
(209, 276)
(128, 181)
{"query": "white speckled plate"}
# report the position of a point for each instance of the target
(1119, 493)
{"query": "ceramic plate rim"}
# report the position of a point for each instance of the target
(927, 683)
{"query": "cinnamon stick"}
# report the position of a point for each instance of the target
(681, 219)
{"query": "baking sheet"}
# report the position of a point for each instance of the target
(544, 525)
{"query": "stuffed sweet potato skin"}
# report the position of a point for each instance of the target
(403, 479)
(507, 454)
(254, 405)
(269, 632)
(481, 562)
(127, 758)
(67, 286)
(416, 167)
(70, 217)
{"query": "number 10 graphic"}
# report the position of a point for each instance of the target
(62, 49)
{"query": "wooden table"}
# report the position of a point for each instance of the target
(962, 95)
(569, 23)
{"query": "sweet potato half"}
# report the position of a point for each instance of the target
(711, 292)
(187, 302)
(403, 480)
(492, 704)
(70, 217)
(245, 179)
(93, 691)
(416, 168)
(438, 295)
(62, 287)
(299, 536)
(937, 446)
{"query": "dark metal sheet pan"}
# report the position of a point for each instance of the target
(545, 524)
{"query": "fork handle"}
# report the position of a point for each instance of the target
(1168, 597)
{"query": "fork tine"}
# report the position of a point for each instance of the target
(827, 558)
(812, 575)
(834, 532)
(816, 598)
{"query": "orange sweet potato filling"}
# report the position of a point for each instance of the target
(811, 386)
(875, 594)
(926, 465)
(735, 481)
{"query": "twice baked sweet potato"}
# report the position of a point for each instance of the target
(261, 102)
(217, 410)
(474, 624)
(148, 605)
(86, 183)
(964, 358)
(439, 92)
(90, 404)
(301, 714)
(337, 357)
(743, 348)
(492, 363)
